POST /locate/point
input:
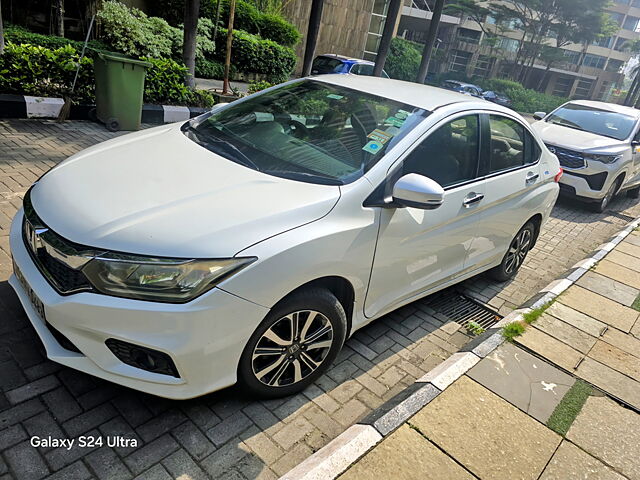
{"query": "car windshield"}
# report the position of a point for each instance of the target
(593, 120)
(308, 130)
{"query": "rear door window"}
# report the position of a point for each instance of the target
(511, 145)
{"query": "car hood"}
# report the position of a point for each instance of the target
(156, 192)
(571, 138)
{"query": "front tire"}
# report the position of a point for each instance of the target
(294, 344)
(602, 204)
(517, 252)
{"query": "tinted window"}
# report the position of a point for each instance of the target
(507, 143)
(308, 130)
(326, 65)
(449, 155)
(362, 69)
(594, 120)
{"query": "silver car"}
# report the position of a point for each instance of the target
(597, 144)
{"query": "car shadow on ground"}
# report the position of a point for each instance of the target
(224, 432)
(583, 212)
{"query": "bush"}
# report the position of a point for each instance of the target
(20, 35)
(43, 72)
(251, 54)
(274, 27)
(199, 98)
(404, 59)
(524, 100)
(258, 85)
(131, 32)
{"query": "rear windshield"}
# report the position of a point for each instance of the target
(307, 130)
(593, 120)
(326, 65)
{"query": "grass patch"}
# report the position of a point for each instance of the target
(569, 407)
(534, 314)
(512, 330)
(636, 303)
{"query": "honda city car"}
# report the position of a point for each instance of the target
(247, 244)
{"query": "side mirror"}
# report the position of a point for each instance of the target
(539, 115)
(418, 191)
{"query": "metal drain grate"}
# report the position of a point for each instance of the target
(463, 310)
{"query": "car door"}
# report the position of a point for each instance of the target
(420, 249)
(510, 163)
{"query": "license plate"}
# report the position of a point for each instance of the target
(36, 303)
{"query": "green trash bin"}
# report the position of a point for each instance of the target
(119, 90)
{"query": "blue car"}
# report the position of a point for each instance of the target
(331, 63)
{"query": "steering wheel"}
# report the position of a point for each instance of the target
(298, 129)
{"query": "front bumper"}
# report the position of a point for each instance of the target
(204, 338)
(592, 182)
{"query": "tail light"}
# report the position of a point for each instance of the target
(558, 175)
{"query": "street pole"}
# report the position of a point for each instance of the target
(387, 33)
(315, 16)
(431, 40)
(227, 60)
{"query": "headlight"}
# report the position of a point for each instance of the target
(603, 158)
(159, 279)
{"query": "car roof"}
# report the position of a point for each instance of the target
(611, 107)
(462, 84)
(346, 59)
(416, 94)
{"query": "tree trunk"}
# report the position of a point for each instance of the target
(387, 33)
(191, 10)
(544, 77)
(1, 31)
(59, 25)
(632, 90)
(215, 24)
(431, 40)
(313, 28)
(227, 60)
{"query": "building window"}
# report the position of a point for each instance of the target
(583, 88)
(483, 66)
(594, 61)
(562, 86)
(572, 57)
(622, 2)
(468, 35)
(603, 93)
(621, 44)
(631, 23)
(616, 17)
(614, 65)
(509, 44)
(606, 42)
(376, 25)
(459, 61)
(635, 3)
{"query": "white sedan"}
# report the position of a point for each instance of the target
(247, 244)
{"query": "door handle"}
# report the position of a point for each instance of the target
(472, 199)
(531, 177)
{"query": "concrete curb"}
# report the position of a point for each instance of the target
(24, 106)
(335, 458)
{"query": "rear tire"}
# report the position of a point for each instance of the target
(294, 344)
(516, 254)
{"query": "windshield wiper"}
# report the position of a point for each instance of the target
(293, 173)
(569, 125)
(210, 142)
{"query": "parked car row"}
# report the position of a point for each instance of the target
(246, 245)
(476, 91)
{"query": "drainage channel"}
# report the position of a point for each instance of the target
(463, 310)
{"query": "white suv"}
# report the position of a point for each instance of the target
(597, 145)
(249, 243)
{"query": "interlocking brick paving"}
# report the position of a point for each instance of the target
(223, 435)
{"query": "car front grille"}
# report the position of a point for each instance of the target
(53, 254)
(568, 158)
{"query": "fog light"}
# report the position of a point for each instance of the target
(142, 357)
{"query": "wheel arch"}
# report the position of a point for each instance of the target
(338, 286)
(537, 224)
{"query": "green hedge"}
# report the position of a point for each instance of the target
(403, 60)
(20, 35)
(43, 72)
(524, 100)
(252, 54)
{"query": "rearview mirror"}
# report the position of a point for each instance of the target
(418, 191)
(539, 115)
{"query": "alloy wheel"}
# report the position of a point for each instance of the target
(292, 348)
(518, 251)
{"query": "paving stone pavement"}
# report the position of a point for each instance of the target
(224, 435)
